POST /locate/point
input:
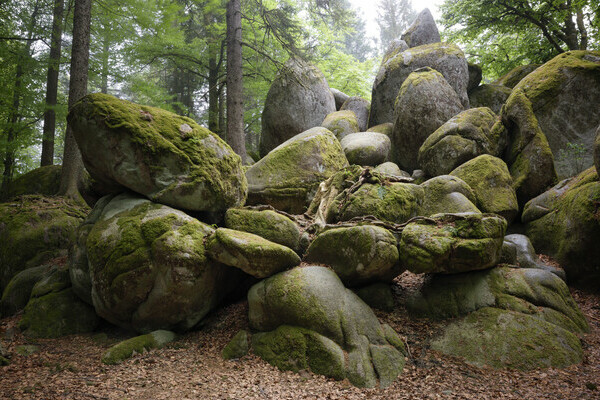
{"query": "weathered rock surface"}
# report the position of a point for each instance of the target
(452, 243)
(359, 255)
(33, 230)
(528, 156)
(391, 169)
(445, 58)
(149, 268)
(492, 96)
(554, 93)
(299, 99)
(366, 148)
(422, 31)
(238, 346)
(564, 223)
(491, 182)
(313, 321)
(137, 345)
(424, 92)
(265, 223)
(54, 310)
(340, 97)
(17, 292)
(518, 250)
(252, 254)
(288, 176)
(44, 181)
(166, 157)
(519, 318)
(447, 194)
(597, 151)
(475, 76)
(377, 295)
(341, 123)
(358, 192)
(386, 128)
(465, 136)
(361, 109)
(515, 75)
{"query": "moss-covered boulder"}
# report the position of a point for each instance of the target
(491, 182)
(565, 224)
(44, 181)
(391, 169)
(341, 123)
(252, 254)
(340, 97)
(299, 99)
(597, 151)
(465, 136)
(366, 148)
(528, 155)
(137, 345)
(168, 158)
(447, 59)
(54, 310)
(358, 192)
(424, 92)
(33, 230)
(422, 31)
(515, 75)
(359, 255)
(377, 295)
(288, 176)
(149, 268)
(447, 194)
(517, 250)
(386, 128)
(508, 339)
(17, 292)
(332, 331)
(452, 243)
(560, 92)
(237, 347)
(268, 224)
(361, 108)
(491, 96)
(475, 76)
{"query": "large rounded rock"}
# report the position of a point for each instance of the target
(491, 182)
(492, 96)
(341, 123)
(445, 58)
(359, 255)
(422, 31)
(43, 180)
(447, 194)
(475, 76)
(288, 176)
(386, 128)
(299, 99)
(268, 224)
(391, 169)
(33, 230)
(366, 148)
(315, 300)
(361, 109)
(452, 243)
(560, 93)
(517, 249)
(424, 92)
(528, 155)
(17, 292)
(565, 224)
(358, 192)
(516, 317)
(149, 268)
(465, 136)
(252, 254)
(514, 76)
(340, 97)
(166, 157)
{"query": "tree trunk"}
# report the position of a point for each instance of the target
(235, 104)
(72, 165)
(221, 130)
(213, 91)
(52, 84)
(105, 50)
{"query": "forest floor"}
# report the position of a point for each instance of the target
(192, 367)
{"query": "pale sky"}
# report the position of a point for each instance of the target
(369, 12)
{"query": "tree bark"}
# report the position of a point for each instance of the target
(52, 84)
(235, 104)
(72, 164)
(105, 50)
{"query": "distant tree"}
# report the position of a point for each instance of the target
(235, 103)
(393, 17)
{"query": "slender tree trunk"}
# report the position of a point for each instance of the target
(235, 104)
(52, 84)
(72, 165)
(213, 91)
(582, 30)
(221, 130)
(105, 52)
